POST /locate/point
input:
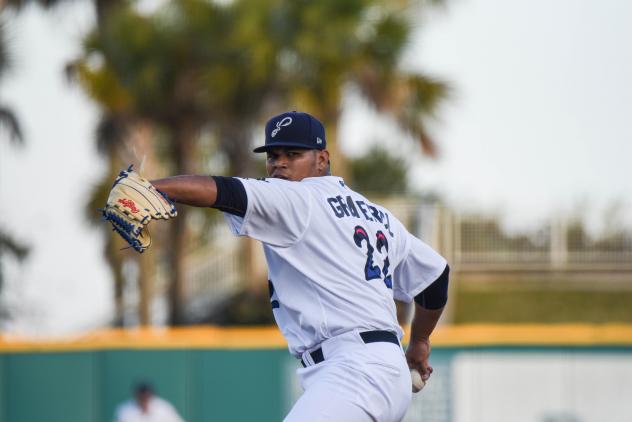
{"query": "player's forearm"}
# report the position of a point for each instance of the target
(198, 191)
(424, 322)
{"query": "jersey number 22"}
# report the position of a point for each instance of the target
(372, 271)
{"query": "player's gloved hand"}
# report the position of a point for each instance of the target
(133, 202)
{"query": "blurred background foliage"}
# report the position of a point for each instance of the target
(187, 87)
(204, 75)
(379, 172)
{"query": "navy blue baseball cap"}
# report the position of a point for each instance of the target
(294, 129)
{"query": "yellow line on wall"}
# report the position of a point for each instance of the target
(534, 335)
(155, 338)
(210, 337)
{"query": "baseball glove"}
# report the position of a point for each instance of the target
(132, 204)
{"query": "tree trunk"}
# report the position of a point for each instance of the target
(113, 252)
(140, 142)
(235, 140)
(113, 255)
(145, 287)
(176, 260)
(183, 143)
(103, 8)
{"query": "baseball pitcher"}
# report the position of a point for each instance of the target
(336, 262)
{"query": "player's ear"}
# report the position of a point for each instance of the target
(322, 159)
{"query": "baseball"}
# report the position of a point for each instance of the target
(418, 383)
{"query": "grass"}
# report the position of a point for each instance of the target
(512, 302)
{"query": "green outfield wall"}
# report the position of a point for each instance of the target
(204, 385)
(249, 376)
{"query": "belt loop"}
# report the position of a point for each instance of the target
(306, 359)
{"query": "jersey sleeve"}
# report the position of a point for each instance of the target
(420, 266)
(278, 212)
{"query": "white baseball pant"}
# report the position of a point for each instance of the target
(356, 382)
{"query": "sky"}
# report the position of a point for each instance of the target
(538, 123)
(64, 285)
(537, 126)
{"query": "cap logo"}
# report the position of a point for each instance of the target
(286, 121)
(319, 141)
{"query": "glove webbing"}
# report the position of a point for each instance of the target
(126, 230)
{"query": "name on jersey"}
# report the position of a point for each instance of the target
(347, 207)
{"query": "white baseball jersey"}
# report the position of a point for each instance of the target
(158, 410)
(335, 260)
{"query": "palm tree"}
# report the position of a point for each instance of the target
(178, 69)
(8, 120)
(329, 46)
(198, 65)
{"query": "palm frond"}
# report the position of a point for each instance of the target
(422, 96)
(10, 122)
(12, 246)
(4, 51)
(411, 99)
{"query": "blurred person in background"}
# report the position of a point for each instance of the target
(146, 406)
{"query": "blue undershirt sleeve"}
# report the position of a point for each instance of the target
(231, 196)
(435, 296)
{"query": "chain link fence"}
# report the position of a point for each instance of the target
(474, 242)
